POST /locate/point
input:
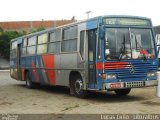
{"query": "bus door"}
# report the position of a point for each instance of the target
(92, 36)
(19, 71)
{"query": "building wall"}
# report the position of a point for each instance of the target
(31, 25)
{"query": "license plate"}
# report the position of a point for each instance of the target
(115, 85)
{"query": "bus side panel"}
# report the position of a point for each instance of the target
(92, 24)
(23, 64)
(31, 66)
(43, 79)
(68, 63)
(49, 65)
(57, 67)
(13, 68)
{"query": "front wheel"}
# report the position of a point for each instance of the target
(122, 92)
(77, 87)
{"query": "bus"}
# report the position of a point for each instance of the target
(105, 53)
(158, 48)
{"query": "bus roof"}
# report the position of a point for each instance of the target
(126, 16)
(87, 20)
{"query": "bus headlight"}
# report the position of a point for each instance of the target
(151, 74)
(108, 76)
(111, 76)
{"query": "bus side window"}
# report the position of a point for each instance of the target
(31, 45)
(42, 43)
(69, 42)
(54, 45)
(14, 49)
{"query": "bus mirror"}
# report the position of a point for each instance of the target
(157, 39)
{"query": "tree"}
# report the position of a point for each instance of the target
(38, 29)
(5, 38)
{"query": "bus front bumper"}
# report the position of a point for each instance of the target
(133, 84)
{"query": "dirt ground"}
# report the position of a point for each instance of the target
(15, 98)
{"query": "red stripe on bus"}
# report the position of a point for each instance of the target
(35, 71)
(111, 65)
(115, 65)
(99, 66)
(49, 64)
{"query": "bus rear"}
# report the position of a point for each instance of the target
(129, 58)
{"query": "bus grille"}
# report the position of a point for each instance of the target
(126, 70)
(135, 84)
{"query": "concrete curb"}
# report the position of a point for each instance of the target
(6, 70)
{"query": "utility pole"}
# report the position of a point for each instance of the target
(88, 13)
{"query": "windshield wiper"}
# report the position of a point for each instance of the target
(122, 49)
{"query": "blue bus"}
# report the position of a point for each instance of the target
(112, 53)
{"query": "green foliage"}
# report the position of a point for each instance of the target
(5, 37)
(38, 29)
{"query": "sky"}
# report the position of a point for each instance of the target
(31, 10)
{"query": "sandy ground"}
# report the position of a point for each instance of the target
(15, 98)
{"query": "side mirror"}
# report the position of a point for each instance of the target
(157, 39)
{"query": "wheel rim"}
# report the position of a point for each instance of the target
(78, 85)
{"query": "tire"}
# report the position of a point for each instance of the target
(122, 92)
(29, 82)
(77, 87)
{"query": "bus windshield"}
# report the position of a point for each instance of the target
(128, 43)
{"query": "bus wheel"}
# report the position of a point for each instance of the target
(77, 87)
(29, 82)
(122, 92)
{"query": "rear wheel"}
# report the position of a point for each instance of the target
(122, 92)
(77, 87)
(29, 82)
